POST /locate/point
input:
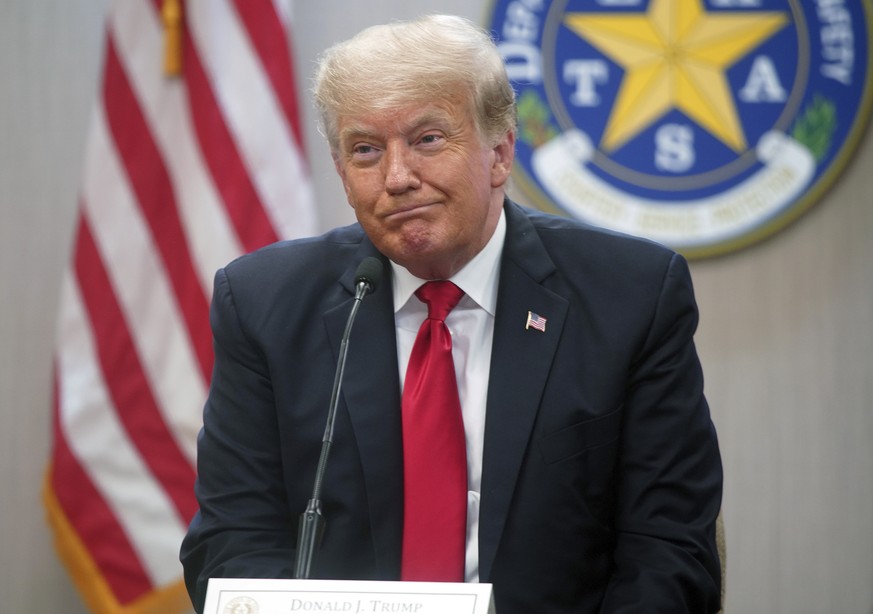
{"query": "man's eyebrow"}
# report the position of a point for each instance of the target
(356, 131)
(431, 116)
(362, 131)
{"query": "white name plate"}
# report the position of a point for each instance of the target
(264, 596)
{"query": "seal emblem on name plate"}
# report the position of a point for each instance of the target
(241, 605)
(703, 124)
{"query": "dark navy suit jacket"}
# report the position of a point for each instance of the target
(601, 477)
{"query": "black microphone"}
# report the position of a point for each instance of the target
(311, 526)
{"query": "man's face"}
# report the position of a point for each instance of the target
(425, 187)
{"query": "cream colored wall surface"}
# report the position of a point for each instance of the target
(786, 338)
(49, 55)
(786, 334)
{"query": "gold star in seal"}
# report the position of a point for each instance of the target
(675, 56)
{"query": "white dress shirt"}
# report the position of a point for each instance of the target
(471, 324)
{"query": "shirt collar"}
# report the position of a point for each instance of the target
(478, 278)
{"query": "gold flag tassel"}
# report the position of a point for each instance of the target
(171, 13)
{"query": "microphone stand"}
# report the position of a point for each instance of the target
(311, 526)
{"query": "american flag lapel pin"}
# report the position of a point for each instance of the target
(536, 321)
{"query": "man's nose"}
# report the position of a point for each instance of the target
(401, 173)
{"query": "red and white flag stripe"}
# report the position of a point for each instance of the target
(181, 175)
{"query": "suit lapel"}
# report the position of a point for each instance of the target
(370, 395)
(520, 364)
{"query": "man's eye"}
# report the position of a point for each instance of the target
(430, 138)
(362, 149)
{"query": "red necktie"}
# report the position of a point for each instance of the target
(434, 451)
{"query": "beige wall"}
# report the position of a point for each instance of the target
(786, 334)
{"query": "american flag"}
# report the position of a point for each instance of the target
(181, 174)
(535, 321)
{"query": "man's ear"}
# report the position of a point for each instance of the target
(504, 155)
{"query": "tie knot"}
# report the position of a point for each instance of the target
(440, 296)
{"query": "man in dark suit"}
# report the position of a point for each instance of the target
(593, 472)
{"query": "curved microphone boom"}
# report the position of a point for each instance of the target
(311, 527)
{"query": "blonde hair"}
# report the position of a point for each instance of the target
(388, 66)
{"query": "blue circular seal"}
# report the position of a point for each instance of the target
(706, 125)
